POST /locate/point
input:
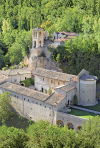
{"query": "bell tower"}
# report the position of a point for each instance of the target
(37, 38)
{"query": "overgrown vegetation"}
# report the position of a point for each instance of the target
(28, 82)
(17, 18)
(44, 135)
(5, 106)
(75, 100)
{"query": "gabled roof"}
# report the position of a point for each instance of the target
(25, 91)
(66, 87)
(88, 77)
(53, 74)
(54, 99)
(2, 77)
(16, 71)
(84, 75)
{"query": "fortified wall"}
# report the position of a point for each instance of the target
(37, 109)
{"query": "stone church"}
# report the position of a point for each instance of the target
(39, 103)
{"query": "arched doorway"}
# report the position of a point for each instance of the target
(70, 125)
(22, 84)
(68, 102)
(34, 43)
(79, 128)
(60, 122)
(42, 89)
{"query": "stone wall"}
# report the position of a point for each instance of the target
(67, 118)
(87, 92)
(36, 110)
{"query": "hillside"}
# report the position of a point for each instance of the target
(18, 17)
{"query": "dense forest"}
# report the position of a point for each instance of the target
(18, 17)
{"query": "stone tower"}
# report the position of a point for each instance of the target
(37, 41)
(37, 37)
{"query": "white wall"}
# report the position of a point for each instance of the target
(69, 96)
(61, 36)
(18, 78)
(54, 34)
(87, 92)
(46, 84)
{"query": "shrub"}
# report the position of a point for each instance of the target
(5, 68)
(12, 67)
(75, 100)
(45, 91)
(50, 91)
(28, 82)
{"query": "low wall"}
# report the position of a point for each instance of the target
(37, 110)
(67, 118)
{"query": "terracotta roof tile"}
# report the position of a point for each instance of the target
(67, 87)
(16, 71)
(3, 78)
(25, 91)
(55, 99)
(53, 74)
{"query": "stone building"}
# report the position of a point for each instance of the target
(38, 105)
(83, 85)
(17, 75)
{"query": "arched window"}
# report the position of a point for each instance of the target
(70, 125)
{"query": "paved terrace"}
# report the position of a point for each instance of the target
(84, 109)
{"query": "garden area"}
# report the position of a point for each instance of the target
(81, 114)
(95, 107)
(28, 82)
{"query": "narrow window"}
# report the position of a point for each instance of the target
(43, 79)
(51, 81)
(25, 78)
(28, 99)
(45, 106)
(24, 98)
(58, 83)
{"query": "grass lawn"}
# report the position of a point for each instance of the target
(96, 107)
(82, 114)
(18, 122)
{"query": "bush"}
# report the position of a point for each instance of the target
(12, 67)
(75, 100)
(45, 91)
(28, 82)
(5, 68)
(50, 91)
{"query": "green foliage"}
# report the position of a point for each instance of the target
(45, 91)
(50, 91)
(12, 67)
(5, 106)
(13, 137)
(28, 82)
(75, 100)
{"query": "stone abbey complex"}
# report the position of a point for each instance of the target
(53, 90)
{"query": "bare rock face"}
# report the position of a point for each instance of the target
(26, 61)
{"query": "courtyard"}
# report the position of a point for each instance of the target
(82, 114)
